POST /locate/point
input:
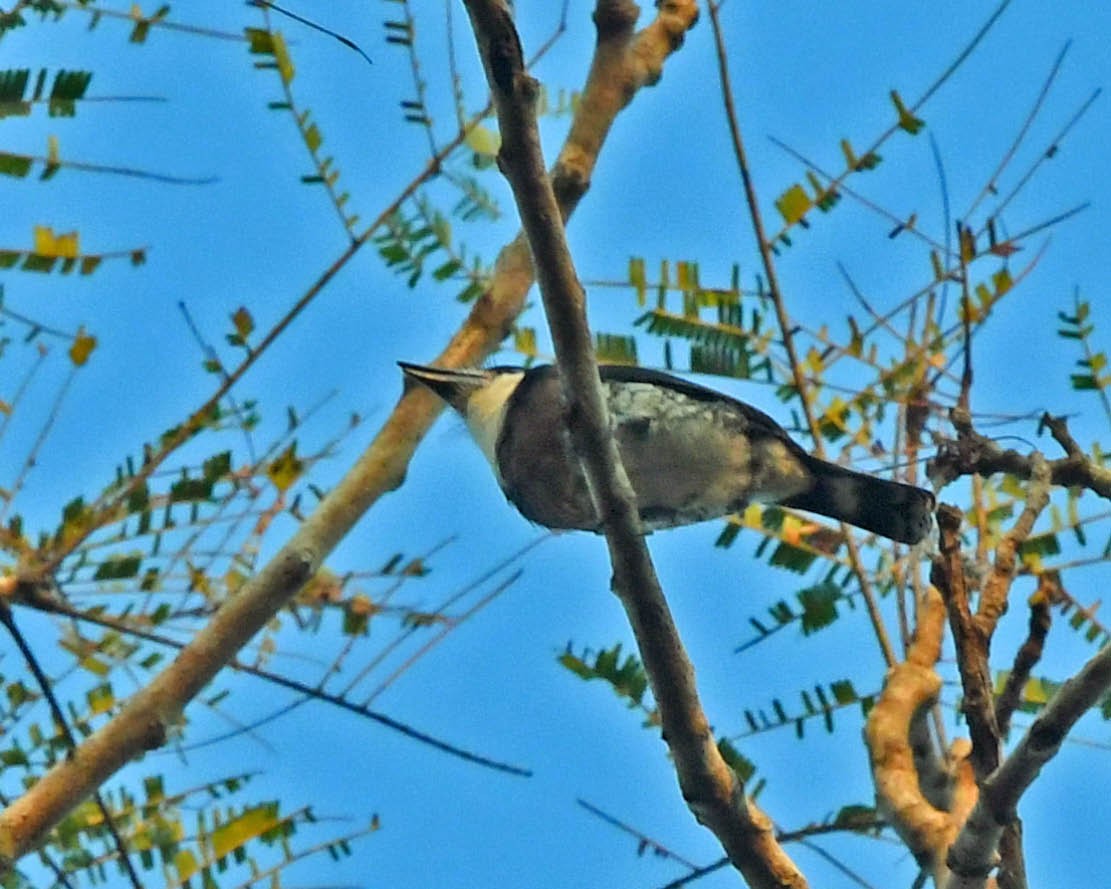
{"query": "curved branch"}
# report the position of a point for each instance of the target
(910, 689)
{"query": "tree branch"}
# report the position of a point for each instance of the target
(974, 853)
(144, 721)
(972, 645)
(786, 332)
(1030, 652)
(972, 634)
(711, 789)
(910, 689)
(975, 454)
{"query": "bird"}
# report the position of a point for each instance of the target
(691, 453)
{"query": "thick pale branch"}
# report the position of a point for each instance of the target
(710, 787)
(911, 687)
(145, 720)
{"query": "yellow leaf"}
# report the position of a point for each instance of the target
(813, 361)
(96, 666)
(637, 278)
(5, 408)
(286, 469)
(312, 137)
(100, 699)
(836, 415)
(968, 244)
(324, 587)
(524, 341)
(935, 262)
(233, 580)
(49, 244)
(259, 40)
(82, 348)
(850, 156)
(281, 57)
(856, 343)
(793, 204)
(1033, 563)
(1035, 692)
(791, 531)
(907, 120)
(239, 831)
(198, 582)
(185, 863)
(483, 140)
(52, 153)
(1002, 281)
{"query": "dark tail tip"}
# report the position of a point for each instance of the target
(891, 509)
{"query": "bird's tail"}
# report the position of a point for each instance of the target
(891, 509)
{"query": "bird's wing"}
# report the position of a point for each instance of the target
(621, 373)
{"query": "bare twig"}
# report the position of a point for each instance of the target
(7, 619)
(786, 332)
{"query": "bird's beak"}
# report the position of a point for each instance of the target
(453, 385)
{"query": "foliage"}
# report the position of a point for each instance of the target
(137, 561)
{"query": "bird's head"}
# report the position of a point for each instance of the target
(480, 395)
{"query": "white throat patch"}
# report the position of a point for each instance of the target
(486, 413)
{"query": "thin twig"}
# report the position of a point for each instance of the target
(785, 328)
(62, 722)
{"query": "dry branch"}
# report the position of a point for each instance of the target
(712, 790)
(976, 454)
(974, 853)
(910, 689)
(633, 61)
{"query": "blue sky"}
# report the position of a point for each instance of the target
(808, 74)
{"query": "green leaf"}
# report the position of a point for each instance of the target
(743, 767)
(819, 606)
(118, 568)
(626, 677)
